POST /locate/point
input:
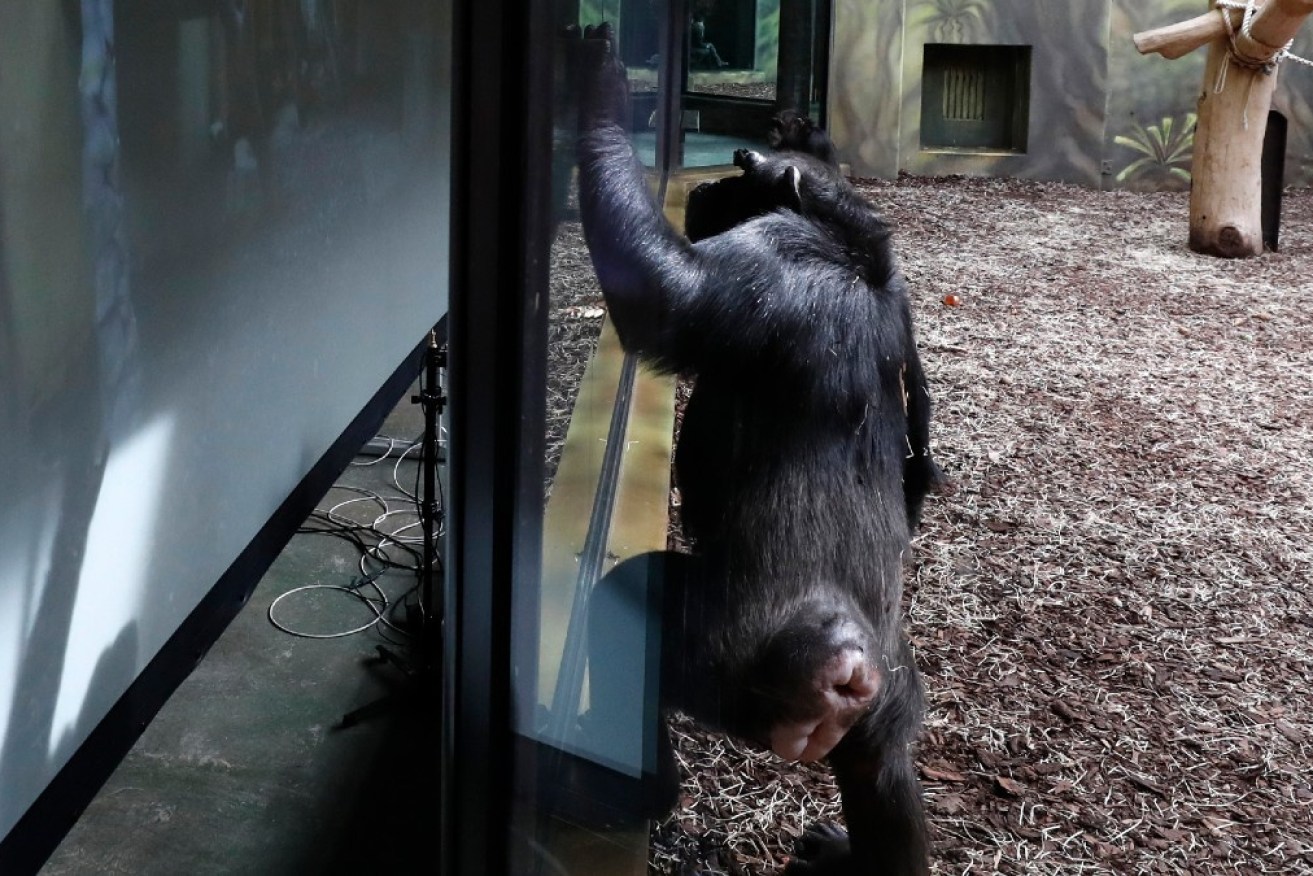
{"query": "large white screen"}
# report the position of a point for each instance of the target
(221, 230)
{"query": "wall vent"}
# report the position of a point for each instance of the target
(975, 98)
(964, 94)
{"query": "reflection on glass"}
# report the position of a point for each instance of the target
(639, 31)
(742, 60)
(294, 114)
(733, 57)
(584, 373)
(587, 652)
(746, 59)
(586, 688)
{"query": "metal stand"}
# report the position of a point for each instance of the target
(427, 627)
(432, 402)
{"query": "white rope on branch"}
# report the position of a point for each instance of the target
(1266, 64)
(1249, 8)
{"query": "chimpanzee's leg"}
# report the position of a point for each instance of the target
(920, 472)
(882, 805)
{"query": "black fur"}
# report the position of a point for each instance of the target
(803, 458)
(790, 131)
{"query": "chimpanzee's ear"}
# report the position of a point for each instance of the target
(790, 186)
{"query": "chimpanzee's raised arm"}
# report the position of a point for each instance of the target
(648, 273)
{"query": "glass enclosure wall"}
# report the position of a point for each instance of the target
(586, 655)
(581, 768)
(740, 61)
(747, 59)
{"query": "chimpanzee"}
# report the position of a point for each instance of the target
(791, 131)
(803, 461)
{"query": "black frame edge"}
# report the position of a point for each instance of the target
(500, 242)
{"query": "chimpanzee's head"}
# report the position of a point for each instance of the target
(787, 181)
(790, 130)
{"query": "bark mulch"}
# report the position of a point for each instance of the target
(574, 322)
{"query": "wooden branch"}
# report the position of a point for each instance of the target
(1274, 25)
(1176, 40)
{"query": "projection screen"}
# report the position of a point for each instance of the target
(223, 227)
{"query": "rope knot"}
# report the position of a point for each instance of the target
(1246, 52)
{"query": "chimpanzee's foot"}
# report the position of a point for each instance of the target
(822, 850)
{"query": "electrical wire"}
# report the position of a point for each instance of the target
(381, 550)
(392, 445)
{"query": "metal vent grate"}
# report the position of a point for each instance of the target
(964, 94)
(975, 97)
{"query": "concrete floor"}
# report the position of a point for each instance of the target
(244, 771)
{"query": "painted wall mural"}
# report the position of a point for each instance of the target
(1099, 113)
(866, 60)
(953, 21)
(1166, 148)
(1151, 101)
(1063, 104)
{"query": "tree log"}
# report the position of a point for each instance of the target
(1226, 190)
(1226, 182)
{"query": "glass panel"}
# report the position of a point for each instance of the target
(746, 59)
(588, 657)
(732, 54)
(638, 25)
(582, 755)
(733, 47)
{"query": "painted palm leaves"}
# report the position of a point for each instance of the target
(1165, 146)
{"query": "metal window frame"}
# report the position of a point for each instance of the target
(501, 124)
